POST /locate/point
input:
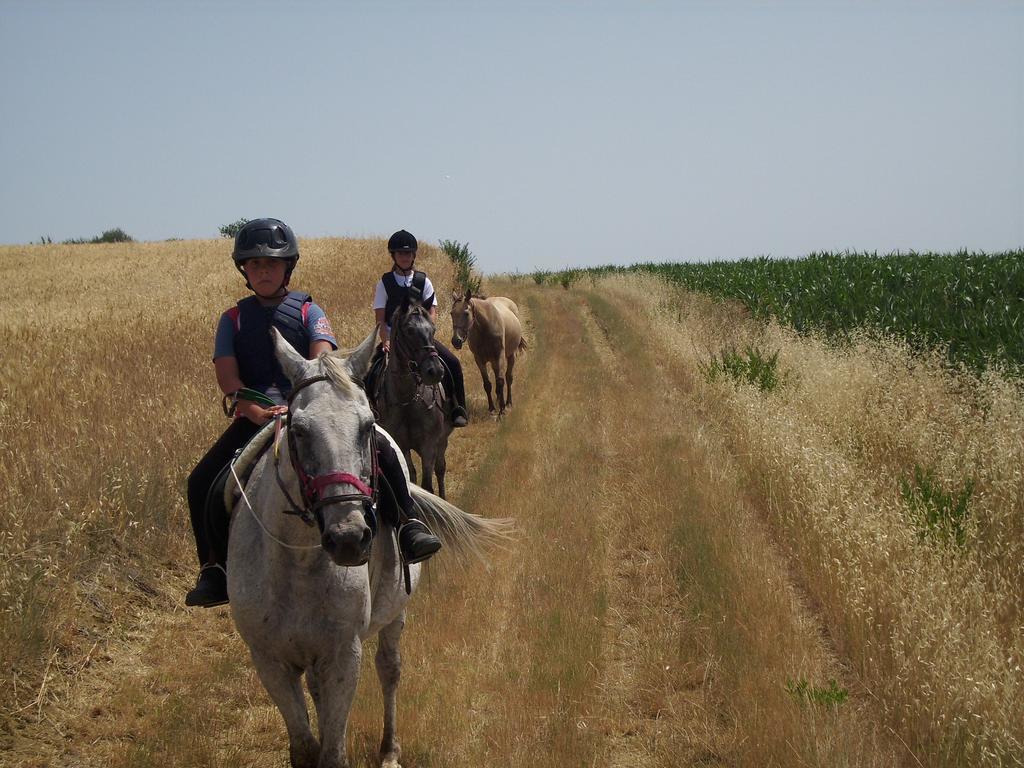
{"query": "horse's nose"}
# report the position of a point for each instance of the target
(431, 371)
(349, 545)
(456, 342)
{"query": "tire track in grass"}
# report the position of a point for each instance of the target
(655, 675)
(527, 662)
(740, 582)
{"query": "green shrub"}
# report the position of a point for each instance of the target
(117, 235)
(465, 262)
(805, 693)
(569, 276)
(938, 516)
(752, 366)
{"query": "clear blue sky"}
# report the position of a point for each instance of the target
(544, 134)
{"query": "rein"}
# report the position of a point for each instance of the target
(312, 487)
(406, 354)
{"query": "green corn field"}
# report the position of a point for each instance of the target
(969, 304)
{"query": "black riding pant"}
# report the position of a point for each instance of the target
(394, 496)
(199, 482)
(454, 383)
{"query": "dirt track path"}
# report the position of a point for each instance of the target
(579, 646)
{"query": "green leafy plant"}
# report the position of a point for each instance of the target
(937, 515)
(752, 366)
(568, 277)
(465, 263)
(540, 276)
(231, 230)
(805, 693)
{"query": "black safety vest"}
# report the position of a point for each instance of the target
(398, 293)
(254, 347)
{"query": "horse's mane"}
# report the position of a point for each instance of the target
(334, 370)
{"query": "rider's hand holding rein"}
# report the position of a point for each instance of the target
(257, 414)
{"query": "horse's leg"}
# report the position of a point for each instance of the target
(428, 454)
(440, 468)
(284, 685)
(315, 692)
(389, 672)
(482, 365)
(337, 676)
(510, 363)
(499, 383)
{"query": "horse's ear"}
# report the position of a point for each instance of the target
(358, 361)
(292, 363)
(469, 295)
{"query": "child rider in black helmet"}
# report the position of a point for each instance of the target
(391, 289)
(266, 252)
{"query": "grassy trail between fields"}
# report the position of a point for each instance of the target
(635, 620)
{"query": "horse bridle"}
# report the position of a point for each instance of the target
(311, 487)
(413, 362)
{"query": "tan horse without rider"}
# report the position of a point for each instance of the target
(495, 335)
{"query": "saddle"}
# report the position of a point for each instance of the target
(374, 381)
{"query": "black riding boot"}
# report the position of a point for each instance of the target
(211, 528)
(415, 540)
(211, 588)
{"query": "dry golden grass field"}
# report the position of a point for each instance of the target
(703, 574)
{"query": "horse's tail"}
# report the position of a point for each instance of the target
(522, 344)
(462, 532)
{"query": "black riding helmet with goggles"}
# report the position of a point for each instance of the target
(266, 239)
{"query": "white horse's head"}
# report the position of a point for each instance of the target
(330, 436)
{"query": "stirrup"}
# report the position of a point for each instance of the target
(416, 543)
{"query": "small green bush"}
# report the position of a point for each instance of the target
(938, 516)
(117, 235)
(568, 277)
(465, 262)
(752, 366)
(805, 693)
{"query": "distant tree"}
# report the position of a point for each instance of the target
(117, 235)
(231, 230)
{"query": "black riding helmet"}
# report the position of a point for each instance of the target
(266, 239)
(402, 242)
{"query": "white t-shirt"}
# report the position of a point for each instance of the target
(380, 295)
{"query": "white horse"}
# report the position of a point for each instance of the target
(305, 596)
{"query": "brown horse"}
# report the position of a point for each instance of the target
(412, 406)
(495, 335)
